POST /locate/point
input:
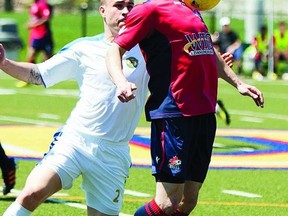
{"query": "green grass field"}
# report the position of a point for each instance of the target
(27, 105)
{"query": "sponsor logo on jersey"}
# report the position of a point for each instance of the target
(199, 44)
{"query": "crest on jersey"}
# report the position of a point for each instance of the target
(174, 163)
(132, 62)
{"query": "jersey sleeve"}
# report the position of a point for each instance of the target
(62, 66)
(139, 25)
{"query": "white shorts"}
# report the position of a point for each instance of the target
(104, 167)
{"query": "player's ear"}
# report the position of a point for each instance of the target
(102, 11)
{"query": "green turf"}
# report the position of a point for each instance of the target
(212, 201)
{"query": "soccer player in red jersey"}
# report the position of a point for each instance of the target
(184, 70)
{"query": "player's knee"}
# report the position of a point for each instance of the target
(30, 198)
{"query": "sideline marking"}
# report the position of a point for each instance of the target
(137, 194)
(282, 205)
(15, 192)
(52, 199)
(241, 193)
(75, 205)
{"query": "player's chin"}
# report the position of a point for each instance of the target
(121, 24)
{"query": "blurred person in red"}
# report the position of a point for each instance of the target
(40, 35)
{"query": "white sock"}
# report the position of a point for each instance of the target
(15, 209)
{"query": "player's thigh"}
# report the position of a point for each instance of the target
(104, 179)
(41, 183)
(63, 158)
(44, 180)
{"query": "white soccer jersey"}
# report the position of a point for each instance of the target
(98, 113)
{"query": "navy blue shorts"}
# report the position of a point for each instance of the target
(181, 148)
(45, 44)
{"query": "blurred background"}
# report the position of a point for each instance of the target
(247, 17)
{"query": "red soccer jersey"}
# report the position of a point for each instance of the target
(179, 55)
(39, 10)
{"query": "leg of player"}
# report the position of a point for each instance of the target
(94, 212)
(40, 184)
(166, 200)
(168, 195)
(189, 199)
(8, 168)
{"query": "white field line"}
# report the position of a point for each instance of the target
(137, 194)
(75, 205)
(251, 119)
(241, 193)
(21, 150)
(16, 192)
(256, 117)
(48, 116)
(42, 92)
(259, 114)
(282, 96)
(78, 205)
(29, 121)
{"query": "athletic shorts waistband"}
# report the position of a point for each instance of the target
(95, 139)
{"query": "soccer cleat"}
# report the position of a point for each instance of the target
(9, 176)
(21, 84)
(222, 112)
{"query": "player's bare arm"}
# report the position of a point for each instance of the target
(228, 58)
(114, 65)
(34, 76)
(27, 72)
(226, 73)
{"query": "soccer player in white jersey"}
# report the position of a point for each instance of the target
(91, 143)
(94, 141)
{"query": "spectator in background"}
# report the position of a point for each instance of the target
(260, 49)
(280, 39)
(8, 168)
(40, 35)
(227, 40)
(261, 44)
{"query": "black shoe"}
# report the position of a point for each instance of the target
(223, 113)
(9, 176)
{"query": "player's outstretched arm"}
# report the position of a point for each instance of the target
(228, 58)
(114, 65)
(226, 73)
(27, 72)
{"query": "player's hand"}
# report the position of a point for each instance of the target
(2, 54)
(125, 92)
(252, 92)
(228, 58)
